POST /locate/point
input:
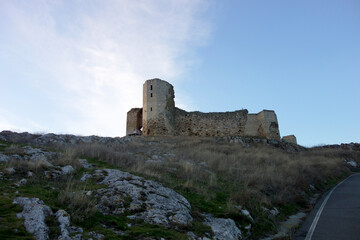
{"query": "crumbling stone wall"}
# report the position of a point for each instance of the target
(134, 122)
(252, 126)
(290, 138)
(160, 117)
(269, 127)
(263, 124)
(210, 124)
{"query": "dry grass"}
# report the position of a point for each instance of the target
(267, 174)
(69, 157)
(81, 206)
(270, 176)
(14, 149)
(36, 165)
(215, 176)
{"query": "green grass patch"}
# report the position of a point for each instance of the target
(118, 222)
(3, 145)
(54, 228)
(216, 206)
(99, 164)
(263, 224)
(11, 227)
(288, 209)
(42, 189)
(154, 231)
(199, 228)
(330, 182)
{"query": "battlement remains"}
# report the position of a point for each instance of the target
(289, 138)
(159, 116)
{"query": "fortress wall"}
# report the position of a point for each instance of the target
(289, 138)
(134, 121)
(269, 127)
(252, 126)
(210, 124)
(158, 108)
(263, 124)
(160, 117)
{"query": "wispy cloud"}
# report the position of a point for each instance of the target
(87, 60)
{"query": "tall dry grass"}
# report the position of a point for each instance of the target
(81, 206)
(35, 165)
(261, 172)
(68, 157)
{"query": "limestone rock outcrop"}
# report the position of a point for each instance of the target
(223, 228)
(149, 200)
(34, 214)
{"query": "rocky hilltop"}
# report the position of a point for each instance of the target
(73, 187)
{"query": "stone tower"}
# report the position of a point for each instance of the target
(158, 108)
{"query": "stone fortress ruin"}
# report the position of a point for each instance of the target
(159, 116)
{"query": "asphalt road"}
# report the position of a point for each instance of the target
(336, 215)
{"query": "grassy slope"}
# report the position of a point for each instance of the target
(65, 193)
(214, 177)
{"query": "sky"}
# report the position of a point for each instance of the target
(78, 66)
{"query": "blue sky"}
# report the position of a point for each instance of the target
(78, 66)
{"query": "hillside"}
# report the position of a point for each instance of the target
(73, 187)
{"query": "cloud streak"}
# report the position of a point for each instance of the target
(85, 61)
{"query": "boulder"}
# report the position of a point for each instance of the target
(21, 182)
(40, 160)
(84, 163)
(68, 169)
(85, 176)
(55, 173)
(97, 236)
(351, 162)
(32, 151)
(4, 158)
(247, 214)
(10, 170)
(274, 211)
(223, 228)
(151, 201)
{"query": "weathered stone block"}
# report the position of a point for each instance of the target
(290, 138)
(134, 122)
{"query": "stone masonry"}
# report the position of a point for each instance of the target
(134, 121)
(289, 138)
(159, 116)
(158, 108)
